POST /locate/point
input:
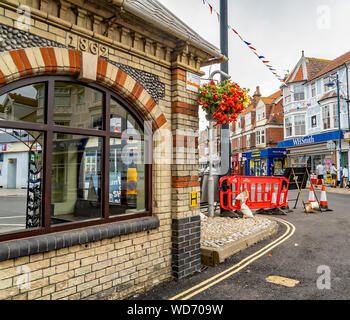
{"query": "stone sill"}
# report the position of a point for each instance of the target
(55, 241)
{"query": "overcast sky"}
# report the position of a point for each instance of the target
(278, 29)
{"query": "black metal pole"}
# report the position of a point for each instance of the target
(225, 145)
(224, 33)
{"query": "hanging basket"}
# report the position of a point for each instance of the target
(223, 102)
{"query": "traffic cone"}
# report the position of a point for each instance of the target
(311, 195)
(284, 191)
(324, 202)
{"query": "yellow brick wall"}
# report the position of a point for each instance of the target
(110, 268)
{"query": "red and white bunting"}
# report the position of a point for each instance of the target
(249, 45)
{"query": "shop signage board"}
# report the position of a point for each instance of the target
(331, 145)
(194, 199)
(114, 187)
(318, 138)
(296, 176)
(347, 136)
(265, 153)
(193, 82)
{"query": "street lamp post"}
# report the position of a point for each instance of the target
(340, 155)
(330, 84)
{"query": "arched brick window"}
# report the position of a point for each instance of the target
(72, 155)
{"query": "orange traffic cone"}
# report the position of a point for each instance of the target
(324, 202)
(311, 195)
(283, 194)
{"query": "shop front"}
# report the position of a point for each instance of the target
(310, 151)
(267, 162)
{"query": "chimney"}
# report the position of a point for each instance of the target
(257, 92)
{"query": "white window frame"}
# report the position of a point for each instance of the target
(260, 137)
(257, 138)
(299, 128)
(260, 114)
(335, 116)
(299, 95)
(326, 117)
(248, 119)
(311, 118)
(288, 125)
(313, 90)
(248, 140)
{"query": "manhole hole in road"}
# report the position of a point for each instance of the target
(282, 281)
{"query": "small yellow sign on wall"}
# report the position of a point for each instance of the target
(194, 199)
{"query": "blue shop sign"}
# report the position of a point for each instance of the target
(265, 153)
(323, 137)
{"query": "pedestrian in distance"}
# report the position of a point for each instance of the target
(320, 171)
(334, 173)
(345, 177)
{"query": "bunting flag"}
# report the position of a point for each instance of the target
(250, 46)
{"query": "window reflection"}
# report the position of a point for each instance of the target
(76, 178)
(21, 174)
(24, 104)
(78, 106)
(126, 176)
(123, 121)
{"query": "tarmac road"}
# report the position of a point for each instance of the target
(317, 254)
(12, 213)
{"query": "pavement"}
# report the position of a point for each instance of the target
(335, 190)
(12, 209)
(13, 192)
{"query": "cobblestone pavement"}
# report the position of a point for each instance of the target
(218, 231)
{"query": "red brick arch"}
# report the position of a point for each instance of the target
(23, 63)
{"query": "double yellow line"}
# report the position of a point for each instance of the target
(185, 295)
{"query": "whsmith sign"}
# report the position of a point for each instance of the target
(302, 141)
(318, 138)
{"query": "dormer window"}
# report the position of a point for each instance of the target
(260, 114)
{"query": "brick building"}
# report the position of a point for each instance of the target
(311, 114)
(256, 134)
(112, 147)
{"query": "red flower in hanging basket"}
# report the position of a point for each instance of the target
(223, 101)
